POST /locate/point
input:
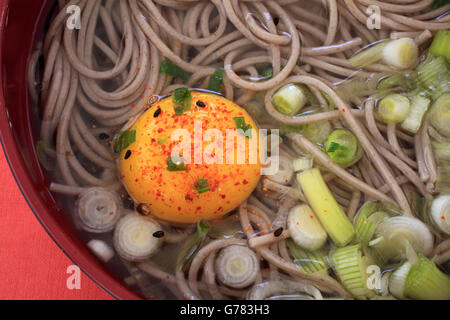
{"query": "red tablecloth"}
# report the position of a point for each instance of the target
(31, 264)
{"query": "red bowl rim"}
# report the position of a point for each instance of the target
(12, 154)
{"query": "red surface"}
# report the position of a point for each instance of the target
(20, 24)
(31, 264)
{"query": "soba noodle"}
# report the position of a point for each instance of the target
(97, 80)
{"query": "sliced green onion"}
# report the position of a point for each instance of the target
(343, 148)
(191, 246)
(419, 205)
(171, 69)
(124, 140)
(443, 179)
(396, 235)
(162, 141)
(316, 132)
(441, 150)
(401, 53)
(404, 81)
(202, 185)
(439, 115)
(309, 262)
(413, 121)
(398, 279)
(237, 266)
(325, 206)
(178, 165)
(216, 80)
(181, 99)
(98, 210)
(246, 128)
(290, 99)
(351, 268)
(305, 229)
(438, 137)
(368, 55)
(388, 297)
(133, 237)
(440, 212)
(433, 75)
(367, 220)
(265, 70)
(440, 47)
(394, 108)
(426, 282)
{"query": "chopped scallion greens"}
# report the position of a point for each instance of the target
(333, 147)
(124, 140)
(168, 67)
(433, 76)
(162, 141)
(265, 70)
(191, 247)
(246, 128)
(177, 165)
(202, 185)
(181, 99)
(216, 80)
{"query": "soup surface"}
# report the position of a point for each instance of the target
(243, 149)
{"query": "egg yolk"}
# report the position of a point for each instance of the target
(187, 191)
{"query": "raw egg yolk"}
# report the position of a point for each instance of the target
(187, 191)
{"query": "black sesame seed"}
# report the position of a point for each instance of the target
(158, 234)
(157, 113)
(201, 104)
(128, 154)
(276, 20)
(103, 136)
(278, 232)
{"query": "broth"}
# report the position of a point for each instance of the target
(362, 179)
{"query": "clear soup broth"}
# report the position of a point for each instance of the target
(233, 149)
